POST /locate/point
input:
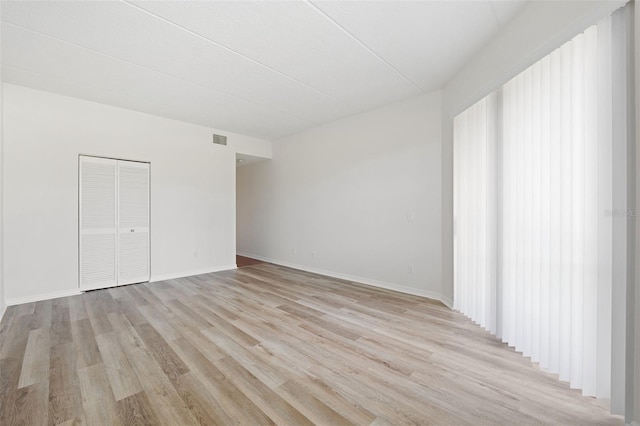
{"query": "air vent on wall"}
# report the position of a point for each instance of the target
(219, 139)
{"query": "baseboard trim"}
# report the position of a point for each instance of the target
(3, 309)
(75, 292)
(43, 296)
(447, 301)
(361, 280)
(164, 277)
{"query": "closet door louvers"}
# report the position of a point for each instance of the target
(133, 213)
(98, 216)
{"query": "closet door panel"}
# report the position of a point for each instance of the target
(134, 258)
(98, 218)
(133, 213)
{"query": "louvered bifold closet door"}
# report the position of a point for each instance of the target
(98, 218)
(133, 213)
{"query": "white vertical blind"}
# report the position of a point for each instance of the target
(475, 212)
(555, 164)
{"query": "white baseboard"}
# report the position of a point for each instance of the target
(163, 277)
(447, 301)
(245, 254)
(173, 276)
(76, 291)
(368, 281)
(43, 296)
(3, 309)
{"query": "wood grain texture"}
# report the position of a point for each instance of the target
(267, 345)
(135, 410)
(97, 398)
(35, 363)
(65, 400)
(122, 377)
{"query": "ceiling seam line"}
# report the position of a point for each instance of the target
(235, 52)
(163, 73)
(362, 44)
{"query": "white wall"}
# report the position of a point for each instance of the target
(2, 298)
(250, 146)
(358, 198)
(192, 189)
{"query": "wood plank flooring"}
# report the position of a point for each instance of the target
(267, 345)
(242, 261)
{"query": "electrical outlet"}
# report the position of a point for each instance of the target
(410, 269)
(294, 251)
(313, 254)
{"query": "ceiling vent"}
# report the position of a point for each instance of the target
(219, 139)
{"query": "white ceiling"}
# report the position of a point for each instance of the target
(265, 69)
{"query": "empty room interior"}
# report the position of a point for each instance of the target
(319, 212)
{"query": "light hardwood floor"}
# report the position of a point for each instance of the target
(262, 345)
